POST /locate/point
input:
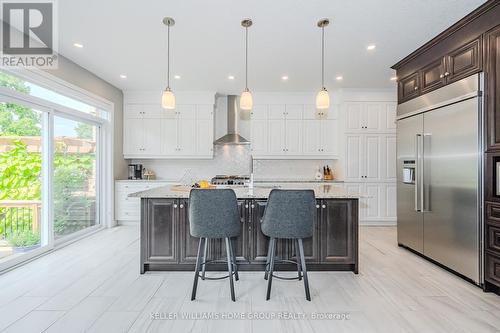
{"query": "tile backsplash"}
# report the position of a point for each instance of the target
(235, 160)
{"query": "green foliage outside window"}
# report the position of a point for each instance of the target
(20, 169)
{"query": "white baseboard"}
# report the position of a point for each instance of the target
(128, 222)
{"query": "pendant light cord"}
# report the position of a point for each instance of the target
(322, 57)
(168, 56)
(246, 58)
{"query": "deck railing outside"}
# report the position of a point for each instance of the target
(18, 216)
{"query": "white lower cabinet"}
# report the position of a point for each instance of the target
(378, 202)
(129, 209)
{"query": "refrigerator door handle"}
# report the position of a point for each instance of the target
(418, 179)
(425, 196)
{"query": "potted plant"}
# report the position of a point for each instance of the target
(24, 241)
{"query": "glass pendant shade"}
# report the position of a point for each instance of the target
(322, 99)
(168, 99)
(246, 101)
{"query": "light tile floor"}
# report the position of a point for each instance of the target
(94, 285)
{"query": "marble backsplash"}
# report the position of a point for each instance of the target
(235, 160)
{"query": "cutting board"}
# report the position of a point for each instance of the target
(184, 188)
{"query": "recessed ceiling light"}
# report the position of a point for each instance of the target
(284, 77)
(123, 76)
(371, 47)
(394, 78)
(78, 45)
(230, 77)
(177, 77)
(339, 78)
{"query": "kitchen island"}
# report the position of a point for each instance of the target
(166, 244)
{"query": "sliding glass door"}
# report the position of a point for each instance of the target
(50, 169)
(23, 222)
(75, 179)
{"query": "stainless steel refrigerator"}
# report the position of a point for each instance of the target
(439, 156)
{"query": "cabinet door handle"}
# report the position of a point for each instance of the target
(246, 206)
(253, 206)
(175, 205)
(416, 88)
(441, 76)
(181, 206)
(446, 74)
(323, 206)
(317, 206)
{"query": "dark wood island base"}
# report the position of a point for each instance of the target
(166, 244)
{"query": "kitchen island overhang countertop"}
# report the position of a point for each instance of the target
(166, 244)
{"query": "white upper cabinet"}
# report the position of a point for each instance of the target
(169, 136)
(294, 111)
(329, 133)
(311, 137)
(370, 116)
(293, 137)
(259, 112)
(152, 136)
(370, 157)
(277, 111)
(276, 134)
(259, 136)
(137, 111)
(293, 131)
(152, 132)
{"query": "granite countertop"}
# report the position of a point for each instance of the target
(260, 191)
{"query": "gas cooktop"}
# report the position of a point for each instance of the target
(230, 180)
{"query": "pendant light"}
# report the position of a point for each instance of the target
(322, 98)
(167, 97)
(246, 101)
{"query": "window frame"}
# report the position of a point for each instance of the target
(104, 151)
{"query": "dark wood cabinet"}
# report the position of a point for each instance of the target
(408, 87)
(464, 61)
(432, 76)
(337, 231)
(492, 97)
(166, 242)
(458, 64)
(160, 245)
(216, 247)
(492, 268)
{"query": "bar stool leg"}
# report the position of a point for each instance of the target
(233, 258)
(197, 268)
(304, 269)
(268, 260)
(229, 269)
(204, 260)
(297, 256)
(272, 244)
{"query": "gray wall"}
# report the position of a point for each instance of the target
(79, 76)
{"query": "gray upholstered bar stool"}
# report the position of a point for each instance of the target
(214, 214)
(289, 214)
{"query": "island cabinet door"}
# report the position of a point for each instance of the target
(216, 247)
(285, 248)
(338, 230)
(162, 223)
(259, 242)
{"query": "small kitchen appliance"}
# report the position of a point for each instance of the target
(135, 171)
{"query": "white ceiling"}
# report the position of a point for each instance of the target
(207, 42)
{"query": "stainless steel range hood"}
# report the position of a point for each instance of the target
(232, 137)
